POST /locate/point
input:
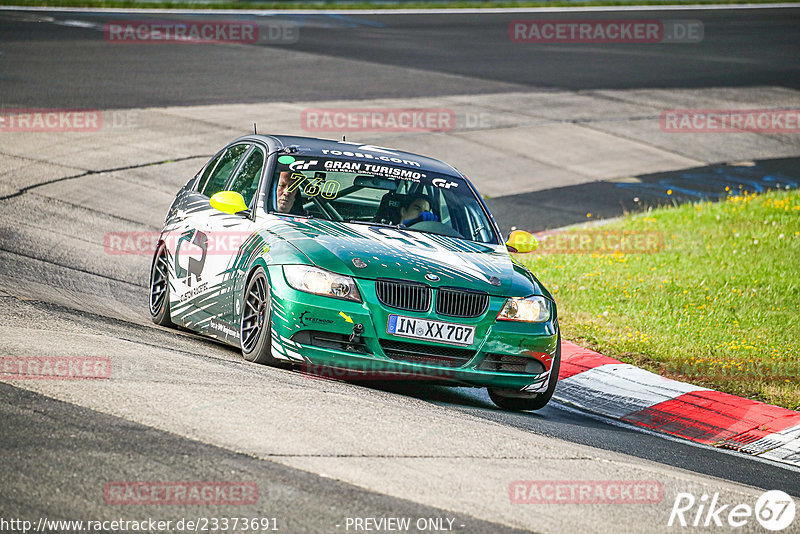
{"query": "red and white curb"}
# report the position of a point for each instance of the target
(606, 386)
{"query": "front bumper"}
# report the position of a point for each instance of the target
(314, 332)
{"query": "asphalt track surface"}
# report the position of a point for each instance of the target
(48, 445)
(379, 56)
(565, 206)
(80, 450)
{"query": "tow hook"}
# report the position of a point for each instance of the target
(355, 337)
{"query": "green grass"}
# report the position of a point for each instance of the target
(718, 305)
(345, 5)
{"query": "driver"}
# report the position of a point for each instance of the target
(417, 209)
(287, 201)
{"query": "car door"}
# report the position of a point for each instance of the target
(196, 283)
(229, 251)
(177, 225)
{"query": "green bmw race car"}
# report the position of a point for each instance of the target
(373, 262)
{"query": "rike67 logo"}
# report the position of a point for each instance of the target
(774, 510)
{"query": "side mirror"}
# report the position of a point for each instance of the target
(522, 242)
(228, 202)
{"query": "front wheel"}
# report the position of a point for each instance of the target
(518, 401)
(256, 324)
(159, 288)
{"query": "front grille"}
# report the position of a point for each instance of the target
(509, 363)
(403, 295)
(461, 303)
(415, 353)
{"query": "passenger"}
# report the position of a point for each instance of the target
(417, 209)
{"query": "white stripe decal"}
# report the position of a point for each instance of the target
(539, 385)
(435, 253)
(276, 352)
(295, 356)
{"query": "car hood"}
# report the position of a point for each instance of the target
(383, 252)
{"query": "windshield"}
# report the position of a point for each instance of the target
(375, 193)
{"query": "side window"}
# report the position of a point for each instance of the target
(207, 172)
(246, 181)
(225, 167)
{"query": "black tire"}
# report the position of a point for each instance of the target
(159, 288)
(511, 400)
(255, 328)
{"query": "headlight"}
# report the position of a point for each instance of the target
(321, 282)
(530, 310)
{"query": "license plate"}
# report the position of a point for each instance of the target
(455, 334)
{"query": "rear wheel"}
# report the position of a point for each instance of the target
(509, 399)
(256, 324)
(159, 288)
